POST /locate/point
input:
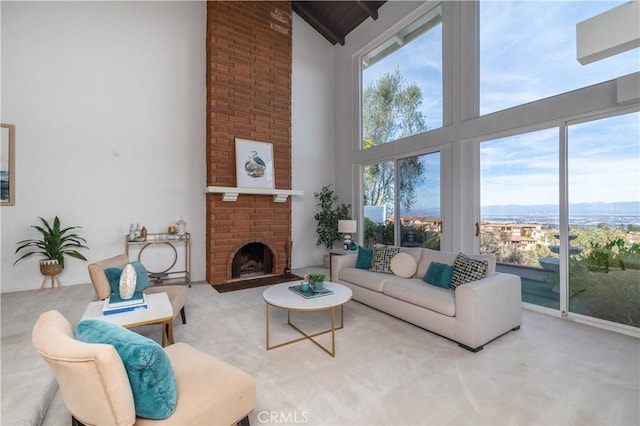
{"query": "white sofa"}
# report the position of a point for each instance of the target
(471, 315)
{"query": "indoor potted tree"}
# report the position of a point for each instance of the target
(55, 243)
(328, 216)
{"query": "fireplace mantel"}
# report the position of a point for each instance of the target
(231, 194)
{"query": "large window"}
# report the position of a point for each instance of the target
(558, 178)
(521, 220)
(402, 82)
(378, 195)
(419, 201)
(519, 210)
(528, 51)
(418, 222)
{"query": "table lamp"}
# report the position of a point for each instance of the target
(348, 227)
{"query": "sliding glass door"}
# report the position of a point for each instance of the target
(574, 241)
(519, 211)
(604, 218)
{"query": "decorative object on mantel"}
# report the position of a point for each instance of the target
(328, 216)
(231, 194)
(7, 162)
(54, 245)
(254, 164)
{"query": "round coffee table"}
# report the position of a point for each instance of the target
(281, 296)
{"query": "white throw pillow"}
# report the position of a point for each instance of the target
(128, 281)
(403, 265)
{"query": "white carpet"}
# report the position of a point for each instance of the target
(386, 371)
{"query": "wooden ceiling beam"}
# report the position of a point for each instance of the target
(368, 9)
(330, 34)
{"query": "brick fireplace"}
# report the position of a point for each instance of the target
(248, 97)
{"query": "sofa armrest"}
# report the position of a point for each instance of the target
(339, 262)
(487, 308)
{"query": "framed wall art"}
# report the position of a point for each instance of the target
(7, 165)
(254, 164)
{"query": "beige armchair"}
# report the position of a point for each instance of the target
(96, 390)
(177, 293)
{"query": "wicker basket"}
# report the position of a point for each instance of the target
(50, 267)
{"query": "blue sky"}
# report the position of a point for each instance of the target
(527, 52)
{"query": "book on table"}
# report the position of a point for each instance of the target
(115, 301)
(110, 310)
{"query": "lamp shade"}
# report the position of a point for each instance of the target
(347, 226)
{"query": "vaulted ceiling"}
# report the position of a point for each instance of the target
(335, 19)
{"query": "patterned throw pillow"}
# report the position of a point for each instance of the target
(466, 270)
(382, 256)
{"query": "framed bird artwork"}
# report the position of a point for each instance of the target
(254, 164)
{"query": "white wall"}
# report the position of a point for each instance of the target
(312, 134)
(108, 100)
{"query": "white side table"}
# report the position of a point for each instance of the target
(159, 311)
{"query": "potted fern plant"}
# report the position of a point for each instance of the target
(54, 244)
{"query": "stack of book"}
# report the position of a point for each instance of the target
(114, 304)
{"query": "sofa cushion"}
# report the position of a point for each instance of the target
(371, 280)
(466, 270)
(403, 265)
(414, 290)
(382, 256)
(439, 274)
(365, 256)
(148, 368)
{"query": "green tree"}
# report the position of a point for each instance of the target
(391, 111)
(328, 214)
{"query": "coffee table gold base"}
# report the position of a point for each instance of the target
(310, 337)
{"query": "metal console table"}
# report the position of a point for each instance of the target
(177, 271)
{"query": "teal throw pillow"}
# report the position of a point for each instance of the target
(365, 256)
(113, 276)
(439, 274)
(148, 367)
(143, 276)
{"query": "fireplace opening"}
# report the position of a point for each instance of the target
(252, 260)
